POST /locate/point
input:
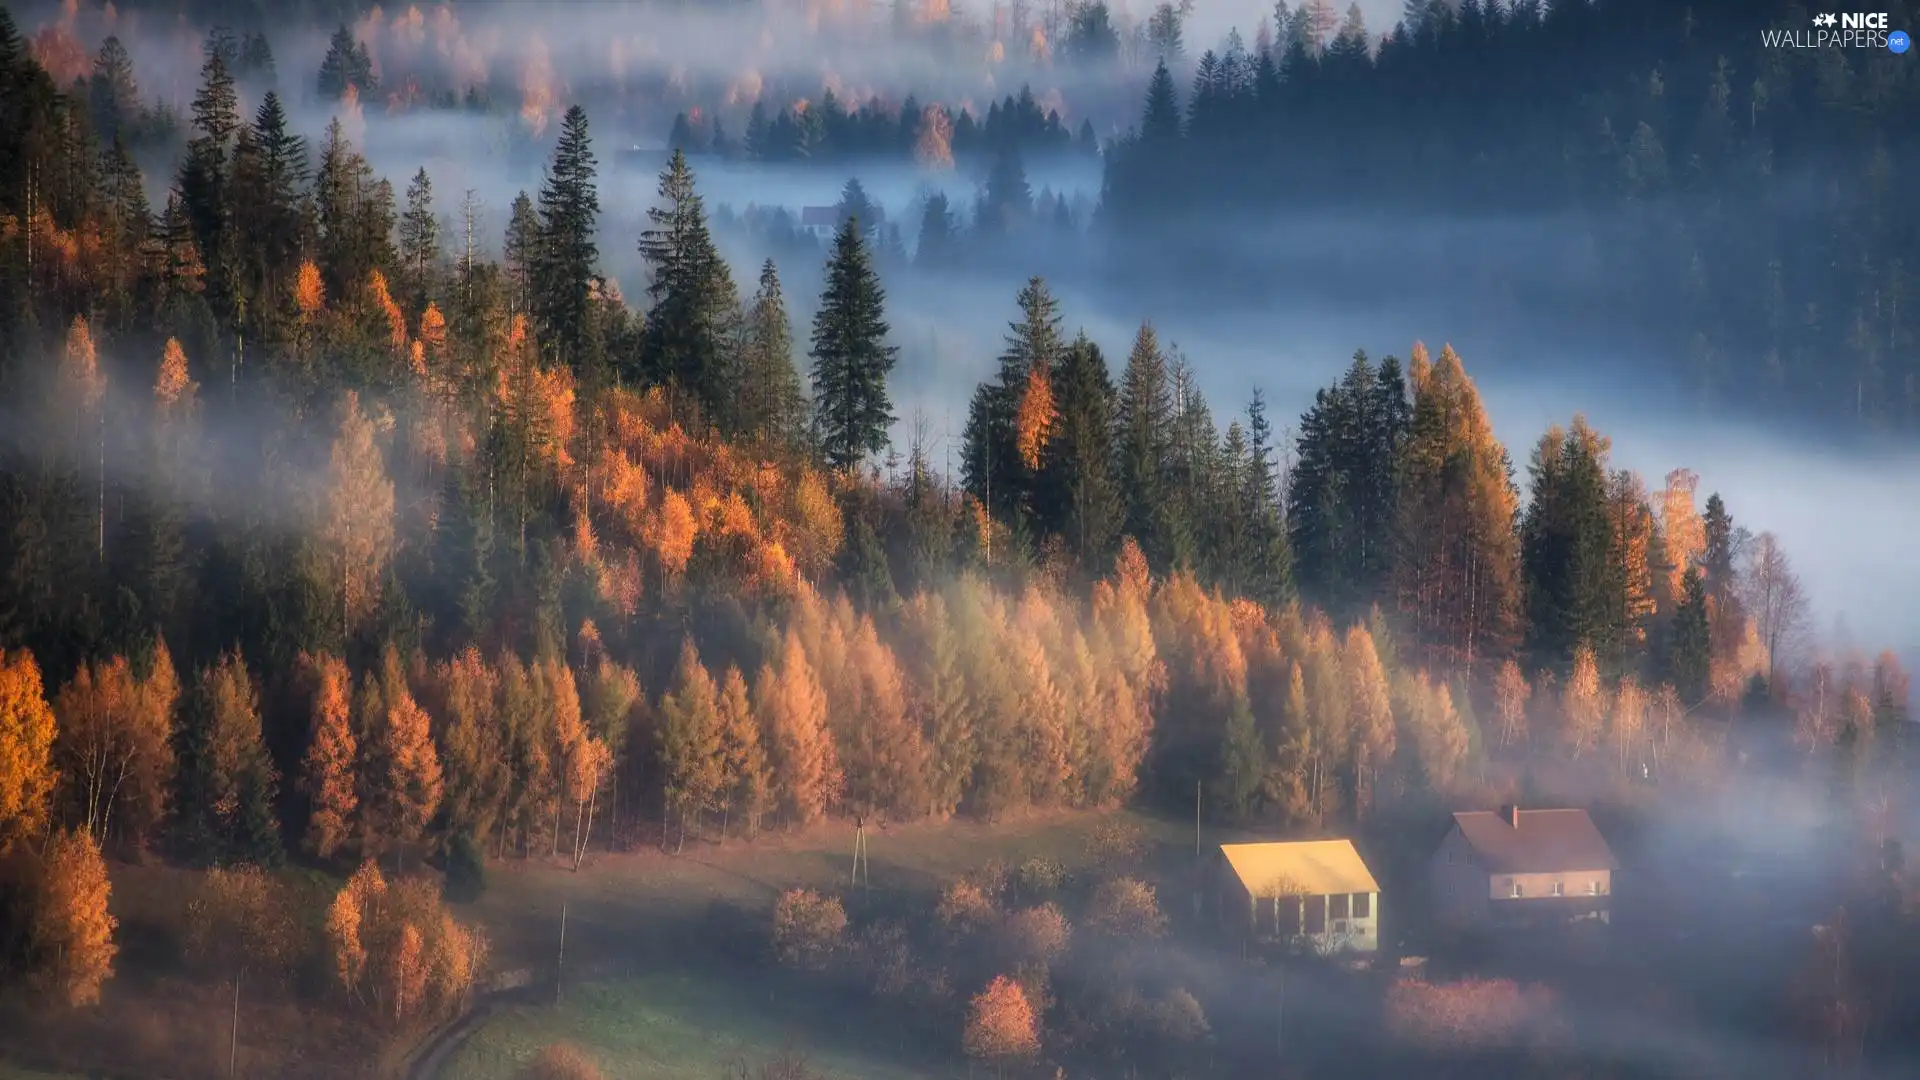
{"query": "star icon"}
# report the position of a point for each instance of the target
(1824, 20)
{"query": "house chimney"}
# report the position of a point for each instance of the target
(1512, 815)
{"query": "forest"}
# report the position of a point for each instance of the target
(331, 540)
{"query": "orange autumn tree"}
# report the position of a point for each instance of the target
(72, 929)
(115, 749)
(410, 784)
(1034, 417)
(1001, 1028)
(793, 710)
(329, 770)
(26, 748)
(356, 517)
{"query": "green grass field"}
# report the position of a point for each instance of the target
(651, 913)
(666, 1026)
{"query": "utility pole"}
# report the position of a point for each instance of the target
(1196, 820)
(860, 861)
(560, 961)
(233, 1041)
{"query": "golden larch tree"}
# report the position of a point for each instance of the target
(749, 785)
(27, 726)
(332, 760)
(1510, 695)
(72, 926)
(1683, 532)
(1629, 720)
(357, 518)
(473, 753)
(412, 783)
(1034, 417)
(354, 912)
(114, 748)
(1369, 711)
(933, 147)
(692, 753)
(1634, 544)
(793, 707)
(1582, 703)
(309, 290)
(173, 382)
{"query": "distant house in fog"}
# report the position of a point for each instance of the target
(1522, 866)
(1313, 892)
(821, 222)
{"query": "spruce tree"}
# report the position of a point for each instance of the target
(938, 244)
(1141, 435)
(1565, 540)
(206, 168)
(1076, 497)
(419, 240)
(1690, 658)
(690, 327)
(567, 256)
(347, 63)
(521, 253)
(851, 359)
(768, 399)
(993, 467)
(1269, 566)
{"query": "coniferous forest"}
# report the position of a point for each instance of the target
(343, 559)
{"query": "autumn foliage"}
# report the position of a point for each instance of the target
(26, 748)
(72, 928)
(1474, 1013)
(397, 952)
(1000, 1023)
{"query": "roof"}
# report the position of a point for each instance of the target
(1312, 867)
(1544, 841)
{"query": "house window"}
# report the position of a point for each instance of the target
(1449, 856)
(1593, 887)
(1362, 905)
(1559, 889)
(1515, 890)
(1340, 905)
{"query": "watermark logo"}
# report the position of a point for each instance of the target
(1846, 30)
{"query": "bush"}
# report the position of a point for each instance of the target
(1126, 907)
(1040, 877)
(466, 879)
(808, 928)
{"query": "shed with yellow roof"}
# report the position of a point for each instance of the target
(1314, 892)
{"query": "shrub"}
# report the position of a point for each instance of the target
(808, 928)
(1126, 907)
(1040, 876)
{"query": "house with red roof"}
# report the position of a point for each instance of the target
(1519, 866)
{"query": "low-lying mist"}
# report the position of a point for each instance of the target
(1277, 300)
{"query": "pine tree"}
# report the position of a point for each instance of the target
(851, 359)
(1075, 494)
(1690, 655)
(113, 94)
(1269, 567)
(938, 244)
(567, 256)
(227, 783)
(690, 328)
(1142, 436)
(769, 400)
(205, 170)
(1565, 538)
(996, 471)
(521, 253)
(347, 64)
(419, 240)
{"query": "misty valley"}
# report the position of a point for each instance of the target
(835, 540)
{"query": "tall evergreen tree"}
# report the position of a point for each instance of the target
(566, 261)
(1269, 558)
(347, 64)
(995, 471)
(690, 328)
(851, 357)
(1075, 496)
(1690, 656)
(1141, 437)
(1565, 537)
(768, 397)
(419, 240)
